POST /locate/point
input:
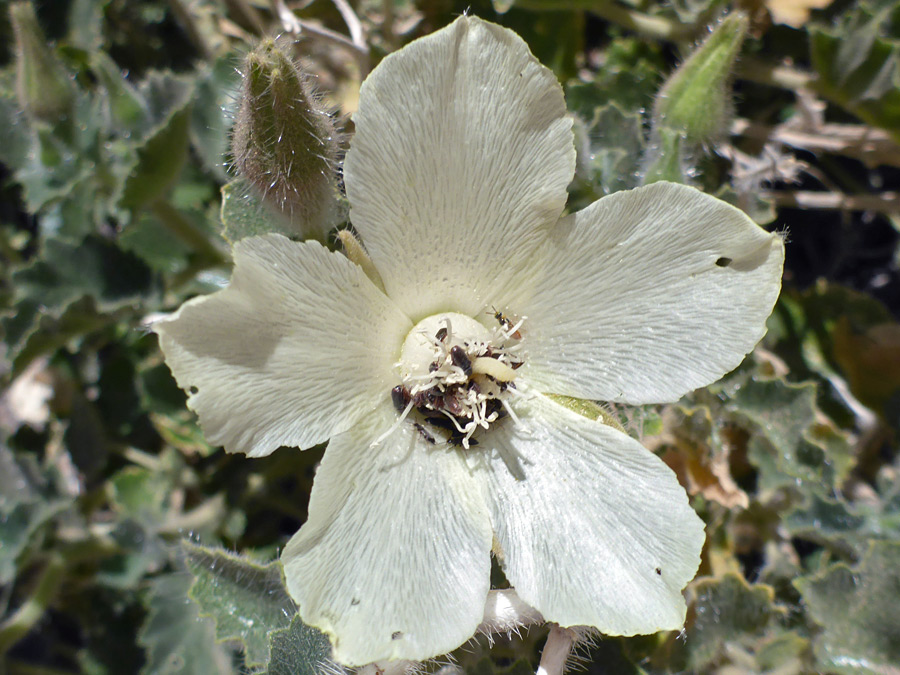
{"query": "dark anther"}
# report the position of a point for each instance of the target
(723, 262)
(659, 571)
(396, 635)
(441, 334)
(400, 397)
(460, 360)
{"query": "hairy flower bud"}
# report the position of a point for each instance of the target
(43, 87)
(695, 101)
(285, 142)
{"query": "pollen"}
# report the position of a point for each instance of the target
(456, 376)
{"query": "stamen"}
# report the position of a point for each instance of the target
(394, 427)
(458, 376)
(509, 410)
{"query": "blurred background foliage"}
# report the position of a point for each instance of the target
(115, 118)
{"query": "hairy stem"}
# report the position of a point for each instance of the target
(556, 651)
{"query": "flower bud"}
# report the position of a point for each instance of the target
(696, 101)
(43, 87)
(285, 142)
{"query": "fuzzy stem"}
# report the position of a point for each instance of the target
(556, 651)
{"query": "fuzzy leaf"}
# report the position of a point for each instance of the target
(724, 611)
(244, 215)
(177, 639)
(789, 446)
(26, 503)
(246, 600)
(159, 162)
(857, 607)
(298, 650)
(858, 64)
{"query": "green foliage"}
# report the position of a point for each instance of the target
(243, 215)
(857, 608)
(858, 62)
(246, 600)
(117, 204)
(298, 650)
(177, 639)
(724, 611)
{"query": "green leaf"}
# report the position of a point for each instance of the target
(858, 64)
(157, 246)
(27, 502)
(724, 612)
(177, 639)
(15, 135)
(616, 141)
(789, 446)
(213, 112)
(847, 528)
(159, 162)
(298, 650)
(629, 78)
(96, 268)
(246, 600)
(857, 607)
(244, 215)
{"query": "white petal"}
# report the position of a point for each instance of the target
(296, 349)
(627, 302)
(594, 529)
(459, 164)
(394, 561)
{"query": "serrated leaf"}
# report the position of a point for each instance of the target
(630, 76)
(27, 502)
(96, 267)
(688, 437)
(213, 113)
(177, 639)
(15, 134)
(51, 170)
(616, 142)
(298, 650)
(246, 600)
(789, 446)
(857, 607)
(721, 612)
(159, 161)
(148, 238)
(846, 527)
(244, 215)
(858, 65)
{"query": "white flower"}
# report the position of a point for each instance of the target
(457, 179)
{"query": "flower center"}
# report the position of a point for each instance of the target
(456, 376)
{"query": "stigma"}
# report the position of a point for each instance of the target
(457, 376)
